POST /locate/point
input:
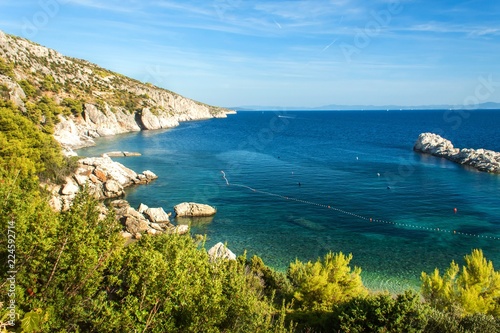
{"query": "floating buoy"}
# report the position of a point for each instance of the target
(372, 220)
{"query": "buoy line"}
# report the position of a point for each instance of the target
(369, 219)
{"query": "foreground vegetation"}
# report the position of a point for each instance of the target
(71, 271)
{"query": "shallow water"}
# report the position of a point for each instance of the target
(361, 164)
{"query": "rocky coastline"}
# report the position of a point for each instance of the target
(103, 102)
(79, 132)
(107, 179)
(480, 159)
(80, 102)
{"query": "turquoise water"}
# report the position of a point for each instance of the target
(358, 163)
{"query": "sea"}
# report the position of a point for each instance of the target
(293, 185)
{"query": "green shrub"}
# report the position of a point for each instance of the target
(74, 106)
(381, 313)
(44, 112)
(6, 68)
(28, 88)
(4, 92)
(474, 289)
(448, 322)
(166, 284)
(50, 84)
(275, 285)
(320, 285)
(23, 147)
(442, 322)
(480, 323)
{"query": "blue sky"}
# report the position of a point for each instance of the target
(282, 53)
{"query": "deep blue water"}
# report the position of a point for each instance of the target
(343, 159)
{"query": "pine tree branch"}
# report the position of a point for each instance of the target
(57, 262)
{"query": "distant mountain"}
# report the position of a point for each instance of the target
(334, 107)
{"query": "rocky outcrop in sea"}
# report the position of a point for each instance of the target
(192, 209)
(480, 159)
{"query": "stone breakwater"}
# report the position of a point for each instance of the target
(480, 159)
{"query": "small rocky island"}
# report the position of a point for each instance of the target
(480, 159)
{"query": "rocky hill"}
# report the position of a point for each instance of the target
(81, 101)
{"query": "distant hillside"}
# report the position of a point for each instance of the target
(78, 101)
(481, 106)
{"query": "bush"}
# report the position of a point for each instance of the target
(4, 92)
(50, 84)
(476, 289)
(447, 322)
(23, 147)
(28, 88)
(275, 285)
(320, 285)
(443, 322)
(74, 106)
(6, 68)
(381, 313)
(45, 112)
(166, 284)
(60, 258)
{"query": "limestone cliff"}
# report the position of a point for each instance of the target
(101, 102)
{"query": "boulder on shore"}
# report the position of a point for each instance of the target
(220, 251)
(191, 209)
(151, 221)
(156, 215)
(480, 159)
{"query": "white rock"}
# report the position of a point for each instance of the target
(115, 170)
(191, 209)
(126, 235)
(481, 159)
(156, 215)
(149, 174)
(152, 231)
(149, 120)
(113, 186)
(181, 229)
(81, 179)
(220, 251)
(142, 208)
(156, 226)
(70, 188)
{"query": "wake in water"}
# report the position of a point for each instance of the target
(370, 219)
